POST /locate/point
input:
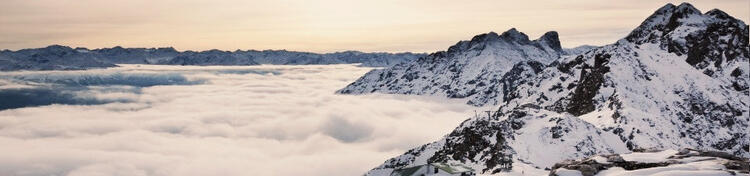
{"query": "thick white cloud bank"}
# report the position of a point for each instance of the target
(239, 120)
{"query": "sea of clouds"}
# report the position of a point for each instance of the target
(220, 120)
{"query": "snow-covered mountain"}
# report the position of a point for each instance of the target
(481, 70)
(58, 57)
(679, 80)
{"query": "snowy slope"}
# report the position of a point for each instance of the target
(475, 69)
(663, 86)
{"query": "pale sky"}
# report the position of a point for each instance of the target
(321, 25)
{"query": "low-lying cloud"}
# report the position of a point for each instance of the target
(251, 120)
(346, 131)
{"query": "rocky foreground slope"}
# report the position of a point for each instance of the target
(58, 57)
(654, 162)
(679, 80)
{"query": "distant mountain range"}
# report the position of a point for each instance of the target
(679, 80)
(57, 57)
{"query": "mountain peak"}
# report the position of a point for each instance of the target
(167, 49)
(51, 48)
(668, 6)
(670, 17)
(58, 47)
(683, 7)
(480, 39)
(687, 8)
(514, 35)
(484, 37)
(718, 14)
(704, 38)
(551, 39)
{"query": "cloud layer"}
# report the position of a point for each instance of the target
(256, 120)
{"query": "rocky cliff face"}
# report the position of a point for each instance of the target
(481, 70)
(652, 89)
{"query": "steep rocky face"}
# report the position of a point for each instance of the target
(613, 99)
(481, 70)
(591, 80)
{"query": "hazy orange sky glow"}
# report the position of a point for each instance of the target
(321, 25)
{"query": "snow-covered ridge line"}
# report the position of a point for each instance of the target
(57, 57)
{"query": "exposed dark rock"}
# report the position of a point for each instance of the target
(518, 75)
(591, 79)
